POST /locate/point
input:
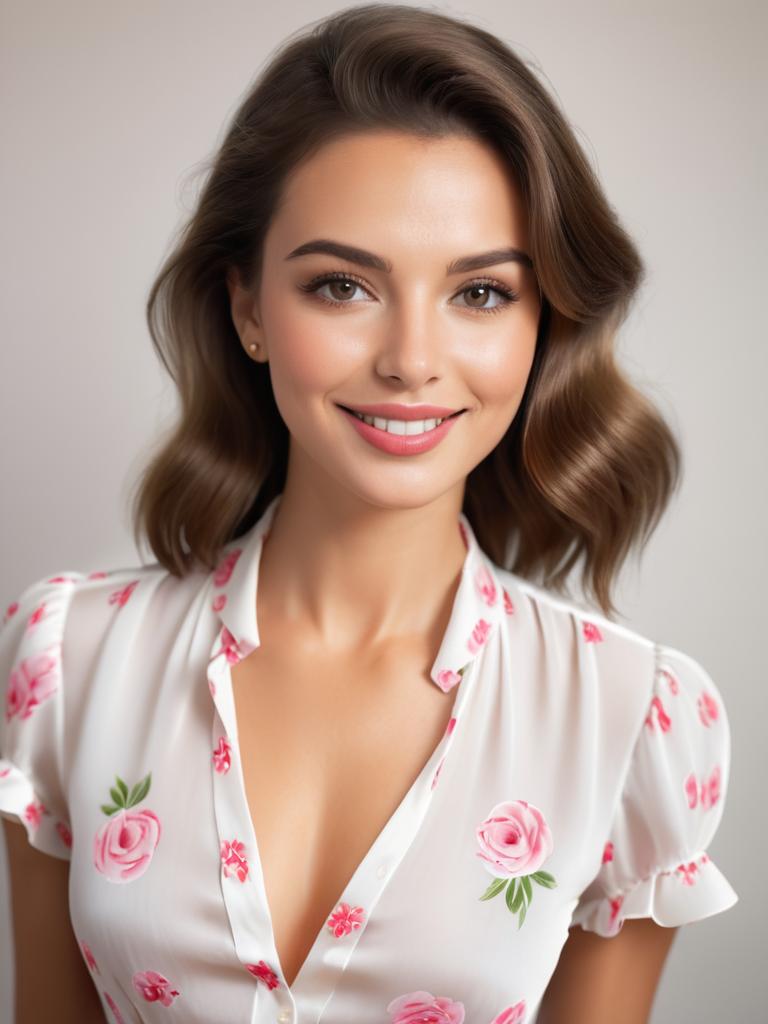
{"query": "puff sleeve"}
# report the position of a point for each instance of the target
(655, 863)
(31, 720)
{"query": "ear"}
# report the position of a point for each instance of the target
(245, 315)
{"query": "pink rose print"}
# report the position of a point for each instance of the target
(509, 607)
(154, 987)
(710, 789)
(424, 1008)
(708, 792)
(98, 575)
(515, 840)
(485, 584)
(120, 597)
(708, 709)
(671, 681)
(64, 833)
(225, 567)
(344, 919)
(123, 847)
(37, 615)
(222, 756)
(233, 859)
(687, 872)
(10, 611)
(436, 776)
(479, 635)
(218, 602)
(230, 647)
(447, 678)
(34, 681)
(614, 921)
(591, 633)
(264, 973)
(662, 717)
(607, 853)
(34, 812)
(512, 1015)
(88, 956)
(113, 1007)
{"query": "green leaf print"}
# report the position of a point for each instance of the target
(523, 911)
(117, 796)
(494, 888)
(140, 790)
(544, 878)
(528, 887)
(122, 799)
(514, 902)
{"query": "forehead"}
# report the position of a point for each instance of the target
(391, 189)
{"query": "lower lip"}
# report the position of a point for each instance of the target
(400, 444)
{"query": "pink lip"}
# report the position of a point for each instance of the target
(400, 444)
(398, 411)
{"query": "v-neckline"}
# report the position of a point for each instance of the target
(251, 918)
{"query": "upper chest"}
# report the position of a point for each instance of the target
(329, 749)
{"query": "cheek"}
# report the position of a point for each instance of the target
(498, 370)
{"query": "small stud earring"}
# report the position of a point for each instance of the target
(253, 347)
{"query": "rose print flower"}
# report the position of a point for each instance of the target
(424, 1008)
(218, 602)
(123, 847)
(222, 756)
(515, 840)
(10, 611)
(233, 859)
(120, 597)
(687, 872)
(264, 973)
(512, 1015)
(485, 584)
(154, 987)
(37, 615)
(591, 633)
(479, 635)
(225, 567)
(32, 682)
(671, 681)
(509, 607)
(344, 919)
(708, 709)
(662, 717)
(65, 833)
(607, 853)
(230, 647)
(113, 1007)
(34, 812)
(709, 793)
(88, 955)
(447, 678)
(436, 776)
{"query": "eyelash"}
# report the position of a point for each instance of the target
(317, 282)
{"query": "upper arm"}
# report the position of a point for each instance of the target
(51, 979)
(603, 980)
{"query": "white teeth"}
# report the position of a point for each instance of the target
(400, 426)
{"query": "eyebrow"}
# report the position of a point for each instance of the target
(374, 262)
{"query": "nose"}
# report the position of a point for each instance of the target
(413, 345)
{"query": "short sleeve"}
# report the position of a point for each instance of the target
(655, 863)
(31, 726)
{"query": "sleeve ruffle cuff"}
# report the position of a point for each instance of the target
(689, 892)
(46, 830)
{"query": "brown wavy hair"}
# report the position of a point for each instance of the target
(588, 464)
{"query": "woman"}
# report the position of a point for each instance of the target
(391, 320)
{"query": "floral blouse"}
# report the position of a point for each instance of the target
(580, 780)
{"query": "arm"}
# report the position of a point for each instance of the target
(52, 979)
(602, 980)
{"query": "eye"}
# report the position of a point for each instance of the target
(485, 287)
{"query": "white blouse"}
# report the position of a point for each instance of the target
(580, 780)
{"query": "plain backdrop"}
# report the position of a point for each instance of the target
(109, 110)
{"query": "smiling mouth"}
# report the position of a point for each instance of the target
(356, 413)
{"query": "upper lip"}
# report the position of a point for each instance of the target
(396, 411)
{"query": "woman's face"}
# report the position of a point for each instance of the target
(416, 332)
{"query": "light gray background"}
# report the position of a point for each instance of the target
(108, 110)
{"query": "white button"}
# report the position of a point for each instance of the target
(381, 870)
(283, 1016)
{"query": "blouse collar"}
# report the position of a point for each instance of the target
(478, 605)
